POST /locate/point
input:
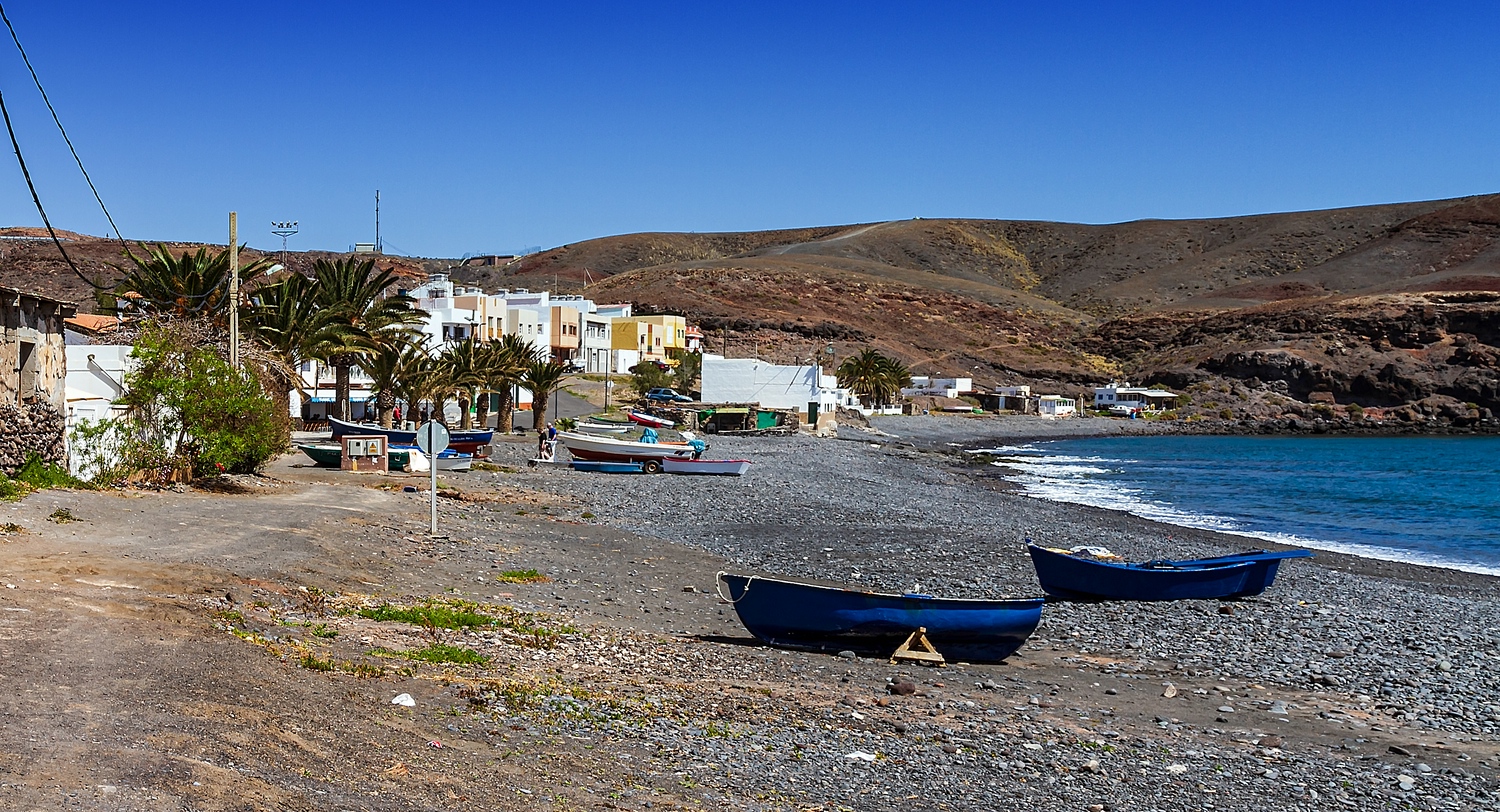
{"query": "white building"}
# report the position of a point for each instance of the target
(773, 386)
(1135, 398)
(594, 343)
(1056, 406)
(938, 387)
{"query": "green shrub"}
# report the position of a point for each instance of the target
(440, 614)
(1355, 411)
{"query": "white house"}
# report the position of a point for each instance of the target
(1132, 397)
(938, 387)
(1056, 406)
(773, 386)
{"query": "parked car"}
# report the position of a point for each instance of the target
(665, 395)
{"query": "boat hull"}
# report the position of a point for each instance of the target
(464, 442)
(606, 449)
(604, 428)
(1076, 578)
(819, 618)
(606, 467)
(708, 467)
(332, 456)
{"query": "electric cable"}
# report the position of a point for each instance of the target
(17, 40)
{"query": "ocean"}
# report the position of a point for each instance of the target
(1429, 500)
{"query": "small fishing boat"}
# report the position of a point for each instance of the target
(649, 420)
(602, 428)
(597, 466)
(711, 467)
(1080, 576)
(331, 455)
(324, 454)
(821, 618)
(608, 449)
(466, 442)
(448, 460)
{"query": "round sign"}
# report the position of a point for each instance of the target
(432, 438)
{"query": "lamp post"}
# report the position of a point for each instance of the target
(283, 230)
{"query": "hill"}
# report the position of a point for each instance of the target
(1385, 307)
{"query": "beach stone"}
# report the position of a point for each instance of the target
(902, 687)
(1226, 709)
(1398, 750)
(1226, 609)
(1271, 742)
(1406, 782)
(1170, 691)
(848, 655)
(1423, 768)
(1278, 707)
(1093, 766)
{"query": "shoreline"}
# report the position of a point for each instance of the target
(930, 437)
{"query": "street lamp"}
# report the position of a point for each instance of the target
(283, 230)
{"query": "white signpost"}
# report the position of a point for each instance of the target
(432, 438)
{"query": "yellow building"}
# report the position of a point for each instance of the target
(656, 338)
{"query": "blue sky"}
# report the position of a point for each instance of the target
(494, 126)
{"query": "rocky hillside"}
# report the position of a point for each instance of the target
(1386, 311)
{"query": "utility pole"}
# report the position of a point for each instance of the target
(284, 230)
(377, 222)
(234, 290)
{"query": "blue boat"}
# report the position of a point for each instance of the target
(1079, 577)
(465, 442)
(603, 467)
(822, 618)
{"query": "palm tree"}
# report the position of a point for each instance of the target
(463, 366)
(390, 364)
(876, 379)
(419, 379)
(542, 378)
(285, 319)
(354, 292)
(506, 361)
(194, 284)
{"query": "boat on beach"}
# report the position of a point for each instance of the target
(330, 455)
(822, 618)
(465, 442)
(650, 420)
(608, 449)
(602, 427)
(1081, 576)
(709, 467)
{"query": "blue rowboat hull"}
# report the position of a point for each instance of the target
(606, 467)
(820, 618)
(467, 442)
(1233, 576)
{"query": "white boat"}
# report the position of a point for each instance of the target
(603, 428)
(712, 467)
(448, 460)
(608, 449)
(650, 420)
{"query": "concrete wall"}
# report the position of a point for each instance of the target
(773, 386)
(33, 368)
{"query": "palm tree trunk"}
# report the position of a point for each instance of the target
(341, 389)
(504, 418)
(386, 403)
(539, 409)
(463, 410)
(482, 410)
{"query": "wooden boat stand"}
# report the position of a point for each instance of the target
(917, 649)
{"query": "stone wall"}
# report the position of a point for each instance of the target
(34, 427)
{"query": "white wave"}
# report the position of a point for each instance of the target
(1073, 483)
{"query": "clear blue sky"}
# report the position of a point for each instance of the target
(492, 127)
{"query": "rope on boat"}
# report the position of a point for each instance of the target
(720, 587)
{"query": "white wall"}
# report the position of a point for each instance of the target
(773, 386)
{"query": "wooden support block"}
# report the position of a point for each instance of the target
(918, 649)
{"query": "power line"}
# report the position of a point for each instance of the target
(58, 122)
(26, 173)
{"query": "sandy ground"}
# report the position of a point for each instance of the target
(162, 652)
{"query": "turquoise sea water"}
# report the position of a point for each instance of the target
(1434, 500)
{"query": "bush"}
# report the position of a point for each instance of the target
(1355, 411)
(188, 410)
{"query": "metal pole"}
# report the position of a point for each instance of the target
(234, 290)
(432, 465)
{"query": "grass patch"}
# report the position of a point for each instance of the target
(322, 630)
(312, 663)
(42, 476)
(62, 516)
(11, 529)
(442, 614)
(230, 616)
(586, 515)
(522, 577)
(438, 653)
(11, 490)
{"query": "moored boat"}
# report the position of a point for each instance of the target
(602, 428)
(599, 466)
(1085, 577)
(821, 618)
(449, 460)
(608, 449)
(710, 467)
(465, 442)
(649, 420)
(331, 455)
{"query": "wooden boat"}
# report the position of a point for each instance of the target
(820, 618)
(602, 428)
(465, 442)
(599, 466)
(650, 420)
(713, 467)
(608, 449)
(1081, 577)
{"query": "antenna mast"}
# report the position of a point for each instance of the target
(377, 221)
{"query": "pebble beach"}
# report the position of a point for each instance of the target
(1351, 684)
